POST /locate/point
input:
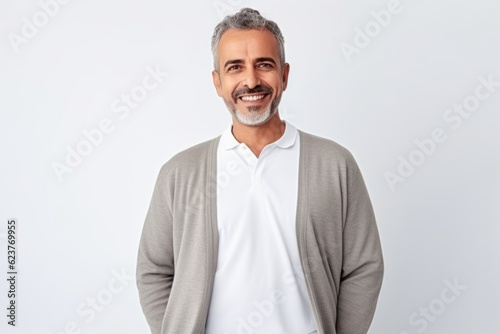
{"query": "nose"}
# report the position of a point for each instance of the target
(251, 78)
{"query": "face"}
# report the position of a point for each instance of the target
(250, 77)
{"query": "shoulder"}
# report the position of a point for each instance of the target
(323, 158)
(191, 158)
(325, 149)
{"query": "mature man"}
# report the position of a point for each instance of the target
(264, 229)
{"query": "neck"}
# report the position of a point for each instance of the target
(257, 137)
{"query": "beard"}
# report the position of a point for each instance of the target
(253, 116)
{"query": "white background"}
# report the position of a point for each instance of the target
(77, 234)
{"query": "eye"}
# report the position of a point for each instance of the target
(233, 68)
(265, 65)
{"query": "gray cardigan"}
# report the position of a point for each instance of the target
(337, 238)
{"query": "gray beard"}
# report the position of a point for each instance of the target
(254, 117)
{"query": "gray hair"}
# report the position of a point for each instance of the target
(247, 19)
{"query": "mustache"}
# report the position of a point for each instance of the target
(247, 90)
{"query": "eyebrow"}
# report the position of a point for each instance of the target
(257, 60)
(232, 62)
(263, 59)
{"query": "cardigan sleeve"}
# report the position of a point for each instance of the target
(362, 265)
(155, 261)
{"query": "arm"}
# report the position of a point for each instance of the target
(363, 267)
(155, 263)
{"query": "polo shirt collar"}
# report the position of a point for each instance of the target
(288, 139)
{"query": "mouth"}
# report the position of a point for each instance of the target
(252, 98)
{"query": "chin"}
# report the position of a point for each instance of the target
(254, 118)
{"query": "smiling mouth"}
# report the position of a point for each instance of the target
(252, 98)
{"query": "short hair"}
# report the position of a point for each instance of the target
(247, 19)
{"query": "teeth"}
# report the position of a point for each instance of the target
(252, 98)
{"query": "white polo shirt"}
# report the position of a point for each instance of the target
(259, 284)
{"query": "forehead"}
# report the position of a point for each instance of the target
(241, 44)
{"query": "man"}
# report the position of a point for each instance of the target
(264, 229)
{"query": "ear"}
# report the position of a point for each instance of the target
(286, 70)
(217, 82)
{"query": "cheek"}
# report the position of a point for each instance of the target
(275, 81)
(228, 88)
